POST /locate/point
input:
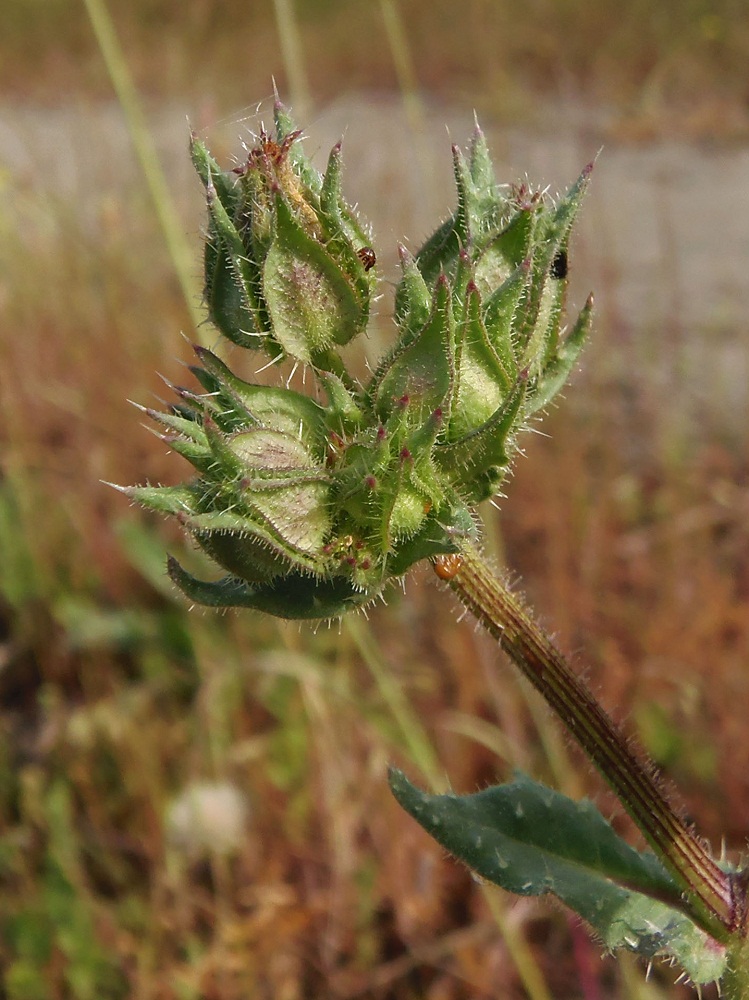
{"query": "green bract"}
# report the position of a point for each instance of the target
(282, 264)
(311, 507)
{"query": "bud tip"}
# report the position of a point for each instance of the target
(127, 490)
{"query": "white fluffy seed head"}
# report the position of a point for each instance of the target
(208, 817)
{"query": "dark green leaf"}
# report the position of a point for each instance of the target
(532, 840)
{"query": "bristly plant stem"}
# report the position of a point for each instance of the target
(709, 890)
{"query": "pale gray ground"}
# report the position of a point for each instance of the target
(663, 238)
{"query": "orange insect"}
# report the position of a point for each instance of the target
(447, 567)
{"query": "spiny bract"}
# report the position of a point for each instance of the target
(310, 506)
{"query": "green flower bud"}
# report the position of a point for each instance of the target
(504, 258)
(312, 507)
(283, 264)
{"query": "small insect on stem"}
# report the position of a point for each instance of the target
(446, 567)
(559, 265)
(368, 257)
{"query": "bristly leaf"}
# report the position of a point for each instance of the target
(531, 841)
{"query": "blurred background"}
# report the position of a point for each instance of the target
(194, 805)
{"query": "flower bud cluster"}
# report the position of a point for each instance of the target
(311, 505)
(284, 268)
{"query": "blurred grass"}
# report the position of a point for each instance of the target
(194, 805)
(671, 59)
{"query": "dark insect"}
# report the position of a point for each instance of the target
(368, 257)
(559, 265)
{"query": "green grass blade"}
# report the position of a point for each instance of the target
(180, 252)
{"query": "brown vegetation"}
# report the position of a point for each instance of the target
(628, 527)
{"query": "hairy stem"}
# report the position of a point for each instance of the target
(709, 890)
